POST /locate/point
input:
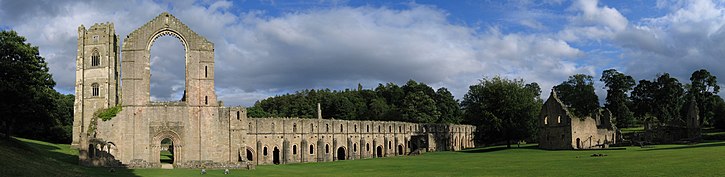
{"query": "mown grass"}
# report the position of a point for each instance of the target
(35, 158)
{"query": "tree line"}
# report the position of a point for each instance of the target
(412, 102)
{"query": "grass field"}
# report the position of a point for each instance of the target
(24, 157)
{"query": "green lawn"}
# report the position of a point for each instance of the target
(166, 157)
(34, 158)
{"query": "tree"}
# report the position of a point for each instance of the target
(617, 85)
(502, 109)
(578, 94)
(660, 100)
(448, 106)
(668, 99)
(703, 87)
(719, 113)
(643, 100)
(420, 108)
(29, 105)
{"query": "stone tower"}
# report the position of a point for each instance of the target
(96, 75)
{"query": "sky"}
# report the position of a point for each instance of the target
(273, 47)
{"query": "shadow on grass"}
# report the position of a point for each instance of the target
(716, 144)
(499, 148)
(70, 160)
(51, 151)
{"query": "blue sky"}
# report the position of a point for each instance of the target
(266, 48)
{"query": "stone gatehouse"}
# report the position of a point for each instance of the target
(202, 131)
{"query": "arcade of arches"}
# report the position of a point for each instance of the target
(197, 130)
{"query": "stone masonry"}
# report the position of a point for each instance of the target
(204, 133)
(560, 129)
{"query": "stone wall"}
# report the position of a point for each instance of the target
(314, 140)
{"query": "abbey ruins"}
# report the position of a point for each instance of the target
(204, 133)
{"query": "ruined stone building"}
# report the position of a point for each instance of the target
(560, 129)
(677, 130)
(202, 131)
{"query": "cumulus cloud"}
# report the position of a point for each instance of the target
(260, 55)
(687, 39)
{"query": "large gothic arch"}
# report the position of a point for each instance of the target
(135, 65)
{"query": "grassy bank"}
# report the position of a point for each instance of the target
(24, 157)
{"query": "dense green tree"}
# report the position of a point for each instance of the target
(660, 100)
(448, 106)
(29, 106)
(668, 98)
(419, 107)
(643, 100)
(703, 88)
(617, 85)
(502, 109)
(719, 113)
(578, 94)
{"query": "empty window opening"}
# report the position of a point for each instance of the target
(294, 149)
(327, 149)
(95, 58)
(558, 119)
(167, 58)
(265, 151)
(312, 149)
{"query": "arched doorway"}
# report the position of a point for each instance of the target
(166, 154)
(578, 144)
(379, 151)
(250, 155)
(400, 149)
(341, 153)
(275, 156)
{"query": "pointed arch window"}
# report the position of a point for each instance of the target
(95, 58)
(95, 90)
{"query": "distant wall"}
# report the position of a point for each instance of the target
(343, 139)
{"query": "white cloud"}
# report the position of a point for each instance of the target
(259, 56)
